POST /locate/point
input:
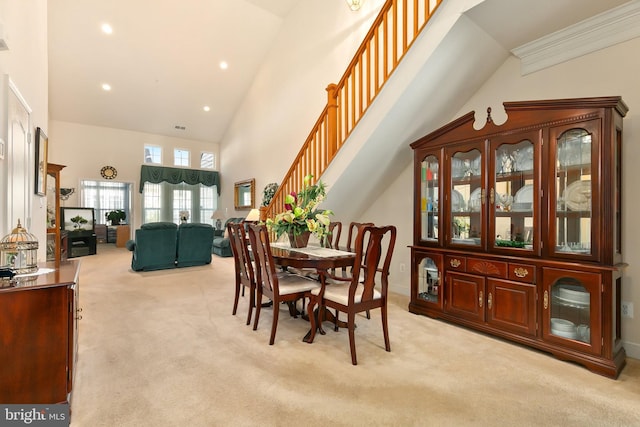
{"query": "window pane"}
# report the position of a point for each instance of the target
(164, 201)
(181, 202)
(152, 154)
(207, 161)
(180, 157)
(151, 203)
(105, 197)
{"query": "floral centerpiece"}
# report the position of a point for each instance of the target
(302, 216)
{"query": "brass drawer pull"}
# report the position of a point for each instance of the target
(489, 301)
(480, 299)
(546, 300)
(521, 272)
(455, 263)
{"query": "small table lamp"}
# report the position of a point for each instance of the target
(254, 216)
(217, 215)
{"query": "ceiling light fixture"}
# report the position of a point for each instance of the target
(106, 87)
(106, 28)
(224, 65)
(206, 108)
(355, 4)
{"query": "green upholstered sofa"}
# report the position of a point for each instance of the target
(221, 245)
(154, 247)
(162, 245)
(194, 244)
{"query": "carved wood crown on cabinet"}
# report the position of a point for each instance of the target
(517, 227)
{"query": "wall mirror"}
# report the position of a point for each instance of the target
(245, 194)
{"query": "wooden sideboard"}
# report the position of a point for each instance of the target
(39, 334)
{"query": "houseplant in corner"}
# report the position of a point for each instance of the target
(116, 217)
(302, 216)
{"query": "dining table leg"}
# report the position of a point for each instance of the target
(315, 316)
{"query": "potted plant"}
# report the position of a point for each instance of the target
(302, 216)
(268, 193)
(116, 217)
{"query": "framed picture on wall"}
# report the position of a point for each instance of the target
(41, 162)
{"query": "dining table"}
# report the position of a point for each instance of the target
(323, 260)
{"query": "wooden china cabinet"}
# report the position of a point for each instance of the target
(517, 227)
(56, 238)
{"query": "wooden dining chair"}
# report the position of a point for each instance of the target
(245, 274)
(277, 287)
(373, 248)
(351, 236)
(332, 239)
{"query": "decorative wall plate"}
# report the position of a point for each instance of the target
(108, 172)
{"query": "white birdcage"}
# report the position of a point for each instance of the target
(19, 251)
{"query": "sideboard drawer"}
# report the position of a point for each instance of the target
(454, 262)
(487, 267)
(522, 273)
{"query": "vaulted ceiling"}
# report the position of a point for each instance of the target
(161, 61)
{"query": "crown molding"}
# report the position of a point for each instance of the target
(601, 31)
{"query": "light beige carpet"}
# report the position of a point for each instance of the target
(162, 349)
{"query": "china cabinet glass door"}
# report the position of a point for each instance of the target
(575, 179)
(572, 301)
(430, 198)
(466, 197)
(430, 279)
(513, 194)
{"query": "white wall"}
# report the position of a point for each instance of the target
(24, 26)
(608, 72)
(314, 48)
(86, 149)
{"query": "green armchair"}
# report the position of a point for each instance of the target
(221, 245)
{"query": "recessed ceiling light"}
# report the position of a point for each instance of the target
(206, 108)
(224, 65)
(106, 87)
(106, 28)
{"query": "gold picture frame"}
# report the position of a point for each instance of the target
(42, 143)
(244, 194)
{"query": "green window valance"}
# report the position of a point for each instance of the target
(158, 174)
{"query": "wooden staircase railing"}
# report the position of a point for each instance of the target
(393, 32)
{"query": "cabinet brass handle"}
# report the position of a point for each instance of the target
(546, 300)
(521, 272)
(489, 300)
(480, 299)
(492, 196)
(455, 263)
(483, 195)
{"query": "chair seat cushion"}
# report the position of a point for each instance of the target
(340, 293)
(292, 283)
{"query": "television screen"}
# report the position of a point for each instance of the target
(77, 219)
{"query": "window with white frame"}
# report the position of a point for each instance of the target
(207, 160)
(164, 201)
(105, 197)
(153, 154)
(181, 157)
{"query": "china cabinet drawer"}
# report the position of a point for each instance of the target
(454, 262)
(487, 267)
(522, 273)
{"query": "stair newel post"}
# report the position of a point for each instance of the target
(332, 120)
